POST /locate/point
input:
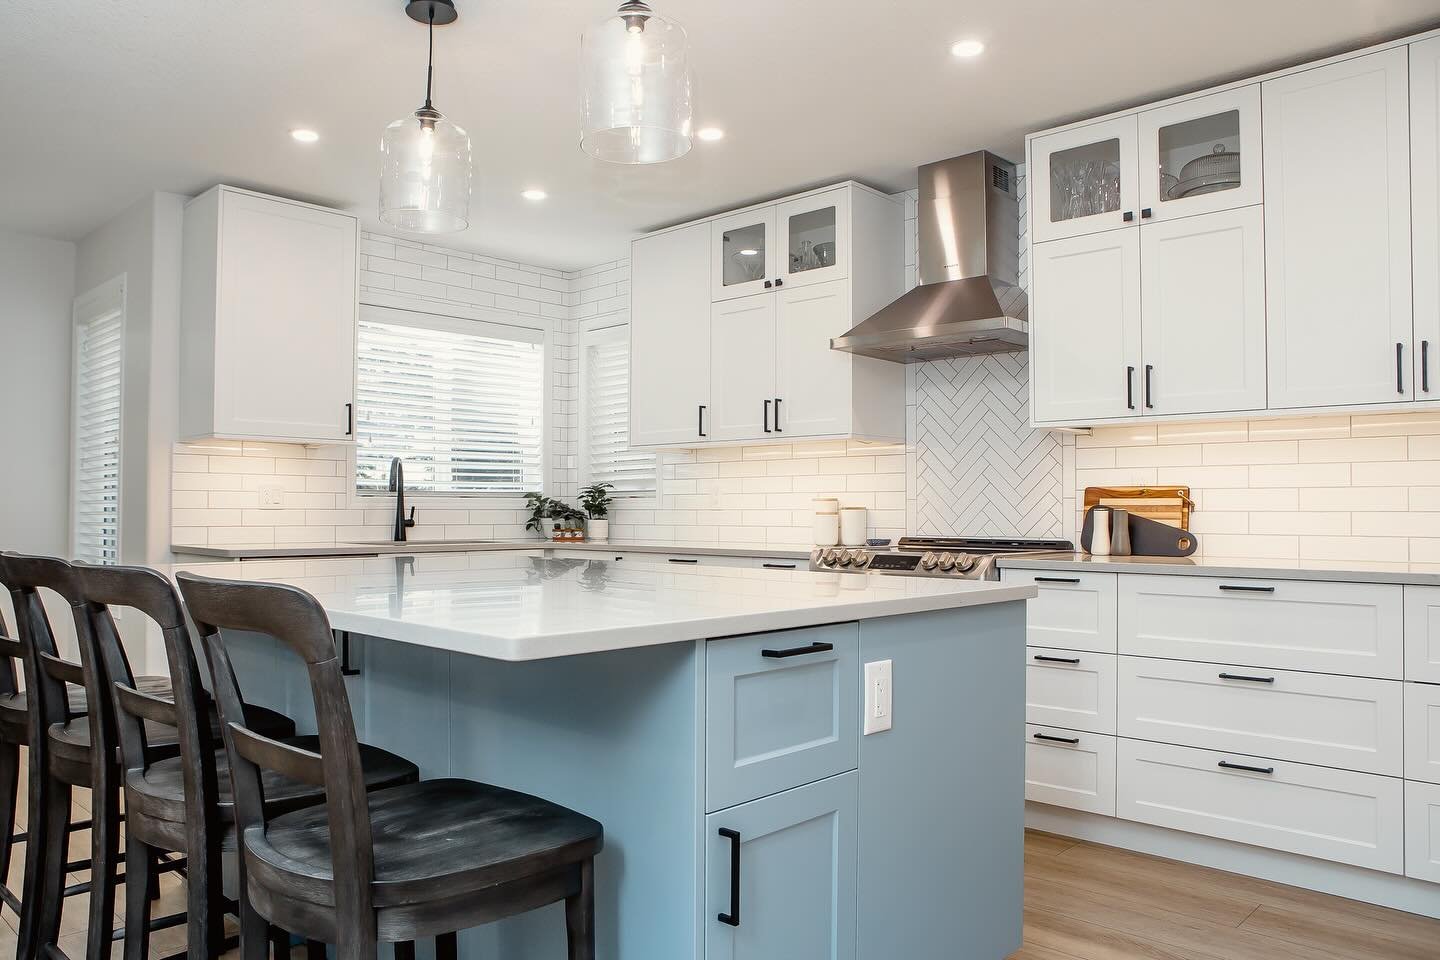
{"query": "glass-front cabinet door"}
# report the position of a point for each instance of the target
(815, 237)
(743, 254)
(1084, 180)
(1201, 155)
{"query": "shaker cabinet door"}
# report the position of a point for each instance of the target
(1337, 233)
(813, 382)
(742, 356)
(670, 337)
(1425, 187)
(1085, 180)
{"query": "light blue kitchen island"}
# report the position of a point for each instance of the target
(711, 719)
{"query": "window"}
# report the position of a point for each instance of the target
(96, 376)
(460, 401)
(605, 454)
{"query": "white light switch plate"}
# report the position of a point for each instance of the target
(879, 696)
(272, 496)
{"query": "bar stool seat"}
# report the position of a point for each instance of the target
(13, 707)
(162, 784)
(434, 839)
(71, 740)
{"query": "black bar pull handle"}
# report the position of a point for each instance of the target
(1129, 388)
(1049, 739)
(1045, 659)
(700, 421)
(1245, 766)
(1149, 369)
(1245, 588)
(1424, 366)
(733, 917)
(777, 416)
(349, 419)
(1057, 579)
(779, 566)
(767, 417)
(681, 560)
(1247, 679)
(816, 647)
(1399, 368)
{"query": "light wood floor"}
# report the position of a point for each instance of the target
(1088, 902)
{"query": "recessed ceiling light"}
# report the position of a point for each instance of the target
(710, 133)
(967, 48)
(749, 253)
(534, 194)
(304, 136)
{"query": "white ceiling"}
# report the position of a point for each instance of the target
(102, 101)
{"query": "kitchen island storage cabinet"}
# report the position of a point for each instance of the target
(268, 318)
(732, 318)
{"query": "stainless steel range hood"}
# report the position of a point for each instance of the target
(969, 300)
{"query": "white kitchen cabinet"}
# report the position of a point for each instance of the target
(1085, 357)
(1074, 610)
(812, 385)
(1202, 309)
(1070, 768)
(1422, 634)
(815, 236)
(1422, 831)
(268, 318)
(744, 255)
(1425, 204)
(1337, 233)
(1200, 155)
(670, 337)
(1085, 180)
(1073, 689)
(1422, 732)
(742, 344)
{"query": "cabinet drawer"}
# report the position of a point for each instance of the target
(777, 717)
(1074, 611)
(1070, 768)
(1324, 627)
(1422, 634)
(1073, 689)
(1422, 732)
(1339, 815)
(1354, 723)
(1422, 831)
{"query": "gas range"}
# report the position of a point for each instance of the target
(962, 558)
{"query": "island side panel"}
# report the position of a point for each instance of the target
(942, 792)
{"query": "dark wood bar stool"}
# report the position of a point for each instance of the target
(182, 803)
(75, 748)
(401, 864)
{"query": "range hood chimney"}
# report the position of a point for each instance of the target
(969, 300)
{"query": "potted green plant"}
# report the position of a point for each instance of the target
(565, 522)
(595, 500)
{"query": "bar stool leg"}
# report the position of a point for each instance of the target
(139, 872)
(52, 856)
(447, 946)
(580, 915)
(34, 854)
(9, 783)
(204, 921)
(104, 856)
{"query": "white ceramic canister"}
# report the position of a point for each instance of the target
(852, 526)
(827, 529)
(1100, 532)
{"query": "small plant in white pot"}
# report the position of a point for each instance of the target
(595, 501)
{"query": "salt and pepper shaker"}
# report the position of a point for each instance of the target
(1119, 532)
(1100, 532)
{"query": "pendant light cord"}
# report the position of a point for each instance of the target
(430, 65)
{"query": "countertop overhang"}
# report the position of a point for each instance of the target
(373, 548)
(1347, 571)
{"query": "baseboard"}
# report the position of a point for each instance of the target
(1322, 876)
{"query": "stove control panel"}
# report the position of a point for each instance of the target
(928, 563)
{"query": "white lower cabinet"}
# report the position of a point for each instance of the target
(1422, 732)
(1422, 634)
(1074, 611)
(1070, 768)
(1073, 689)
(1422, 831)
(1354, 723)
(1340, 815)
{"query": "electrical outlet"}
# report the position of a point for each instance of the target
(272, 496)
(879, 696)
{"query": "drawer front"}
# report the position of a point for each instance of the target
(1070, 768)
(1319, 626)
(1073, 689)
(1074, 611)
(1422, 634)
(1422, 732)
(777, 717)
(1354, 723)
(1422, 831)
(1339, 815)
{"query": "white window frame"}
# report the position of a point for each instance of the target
(103, 301)
(456, 318)
(589, 334)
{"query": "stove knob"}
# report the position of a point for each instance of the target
(947, 561)
(817, 557)
(928, 561)
(832, 557)
(860, 558)
(965, 562)
(847, 557)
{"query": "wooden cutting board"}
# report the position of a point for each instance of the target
(1170, 505)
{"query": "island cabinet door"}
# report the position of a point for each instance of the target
(782, 709)
(781, 875)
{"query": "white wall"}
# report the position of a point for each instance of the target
(37, 285)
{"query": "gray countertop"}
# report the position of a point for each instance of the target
(371, 549)
(1352, 571)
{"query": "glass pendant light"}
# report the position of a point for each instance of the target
(635, 104)
(425, 158)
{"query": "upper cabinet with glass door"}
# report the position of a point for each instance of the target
(743, 254)
(1201, 155)
(788, 244)
(1085, 180)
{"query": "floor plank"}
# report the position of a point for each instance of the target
(1170, 894)
(1318, 930)
(1046, 844)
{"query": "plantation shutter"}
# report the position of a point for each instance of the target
(606, 402)
(95, 424)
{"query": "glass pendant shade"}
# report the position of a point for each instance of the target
(635, 101)
(425, 174)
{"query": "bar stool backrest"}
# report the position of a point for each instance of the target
(46, 672)
(297, 620)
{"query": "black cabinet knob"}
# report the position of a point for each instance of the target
(1128, 216)
(767, 284)
(779, 283)
(1146, 214)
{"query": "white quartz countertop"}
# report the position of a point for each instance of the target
(509, 606)
(416, 547)
(1350, 571)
